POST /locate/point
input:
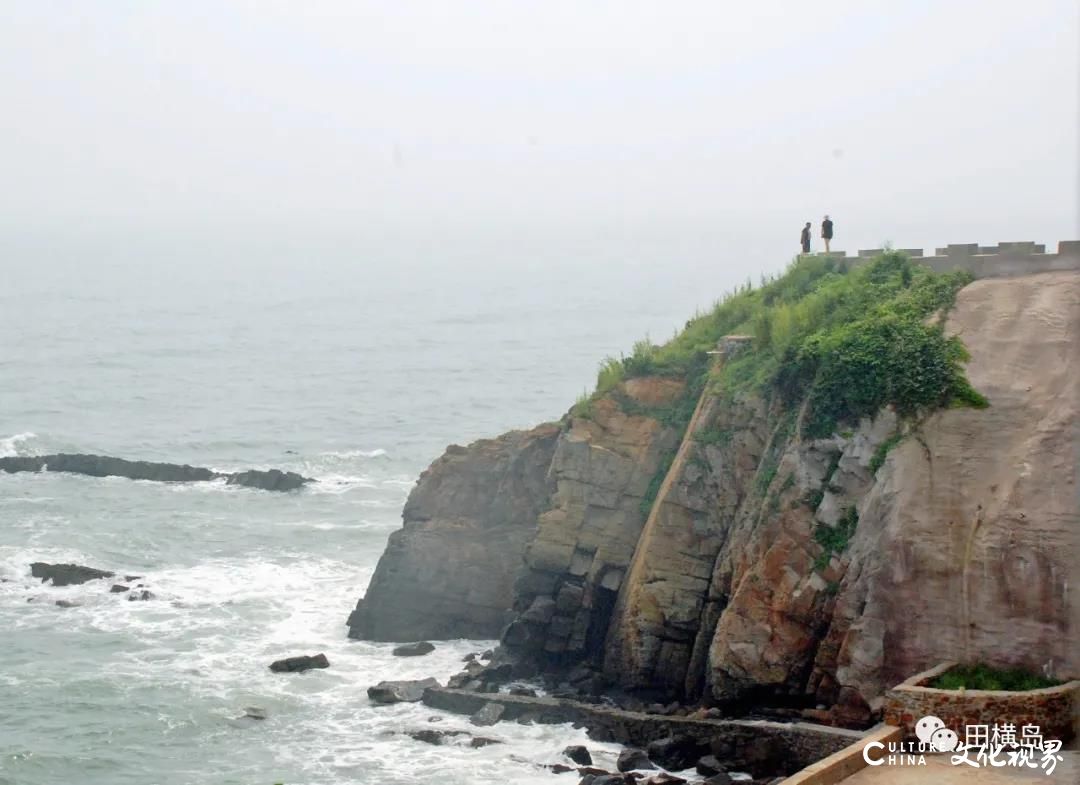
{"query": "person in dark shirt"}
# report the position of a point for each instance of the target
(826, 232)
(805, 238)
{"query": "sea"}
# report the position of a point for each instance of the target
(356, 367)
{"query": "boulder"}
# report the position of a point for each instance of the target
(489, 714)
(632, 759)
(299, 664)
(66, 574)
(675, 752)
(400, 691)
(414, 649)
(482, 741)
(709, 765)
(146, 595)
(579, 754)
(66, 604)
(118, 588)
(721, 778)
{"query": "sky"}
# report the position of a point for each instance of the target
(704, 128)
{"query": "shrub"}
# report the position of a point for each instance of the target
(983, 677)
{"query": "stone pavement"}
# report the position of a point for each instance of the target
(939, 771)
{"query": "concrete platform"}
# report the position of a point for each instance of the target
(940, 771)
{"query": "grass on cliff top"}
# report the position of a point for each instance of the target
(983, 677)
(847, 341)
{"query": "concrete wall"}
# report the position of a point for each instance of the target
(1051, 709)
(1000, 261)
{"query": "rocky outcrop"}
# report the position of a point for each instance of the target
(450, 571)
(104, 466)
(762, 568)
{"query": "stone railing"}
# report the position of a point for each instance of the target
(1000, 261)
(1052, 709)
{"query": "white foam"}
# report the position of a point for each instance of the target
(9, 446)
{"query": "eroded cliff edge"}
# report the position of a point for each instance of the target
(771, 567)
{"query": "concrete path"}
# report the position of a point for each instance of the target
(940, 771)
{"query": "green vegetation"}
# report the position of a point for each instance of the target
(983, 677)
(719, 437)
(847, 341)
(882, 451)
(654, 484)
(835, 539)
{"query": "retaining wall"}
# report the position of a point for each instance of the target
(762, 747)
(1001, 261)
(1051, 709)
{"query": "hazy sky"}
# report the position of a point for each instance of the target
(915, 122)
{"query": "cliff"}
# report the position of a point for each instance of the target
(806, 517)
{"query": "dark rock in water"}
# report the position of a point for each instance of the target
(579, 754)
(436, 737)
(130, 578)
(527, 692)
(104, 466)
(608, 779)
(631, 759)
(255, 713)
(482, 741)
(299, 664)
(66, 574)
(269, 480)
(470, 657)
(665, 778)
(66, 604)
(675, 752)
(414, 649)
(489, 714)
(146, 595)
(709, 765)
(719, 779)
(400, 691)
(487, 655)
(118, 588)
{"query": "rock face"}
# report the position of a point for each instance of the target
(450, 572)
(104, 466)
(762, 567)
(603, 469)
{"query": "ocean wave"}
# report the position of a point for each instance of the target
(9, 446)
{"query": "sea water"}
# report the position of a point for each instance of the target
(356, 370)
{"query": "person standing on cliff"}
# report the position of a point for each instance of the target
(826, 232)
(805, 238)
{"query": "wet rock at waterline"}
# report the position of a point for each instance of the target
(400, 691)
(105, 466)
(489, 714)
(299, 664)
(633, 759)
(66, 574)
(579, 754)
(414, 649)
